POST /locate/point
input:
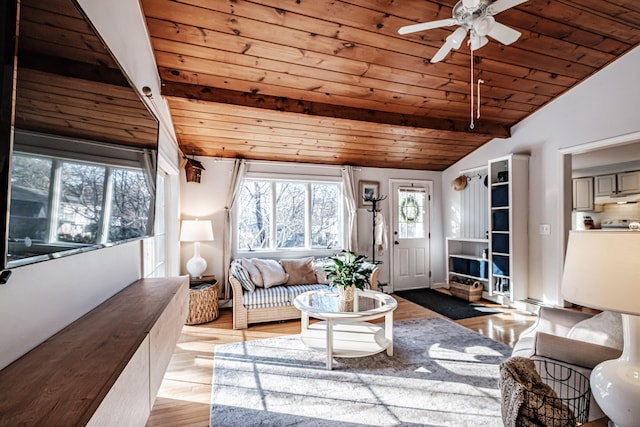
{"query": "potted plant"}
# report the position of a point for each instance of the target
(348, 272)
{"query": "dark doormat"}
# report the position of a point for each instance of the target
(452, 307)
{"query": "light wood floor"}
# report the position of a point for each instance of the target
(185, 394)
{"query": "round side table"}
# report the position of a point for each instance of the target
(203, 303)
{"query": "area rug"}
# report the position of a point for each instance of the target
(447, 305)
(441, 374)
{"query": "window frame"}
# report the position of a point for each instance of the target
(307, 250)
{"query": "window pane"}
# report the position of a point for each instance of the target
(411, 214)
(81, 203)
(254, 205)
(129, 205)
(30, 180)
(325, 218)
(290, 214)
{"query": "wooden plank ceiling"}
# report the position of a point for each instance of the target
(329, 81)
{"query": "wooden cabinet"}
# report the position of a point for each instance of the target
(629, 182)
(605, 185)
(105, 368)
(583, 194)
(508, 229)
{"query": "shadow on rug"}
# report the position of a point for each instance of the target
(447, 305)
(441, 374)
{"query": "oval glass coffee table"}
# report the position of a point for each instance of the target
(344, 330)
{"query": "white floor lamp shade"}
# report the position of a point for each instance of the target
(602, 271)
(196, 231)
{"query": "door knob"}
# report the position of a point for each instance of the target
(395, 242)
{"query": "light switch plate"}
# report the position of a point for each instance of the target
(545, 229)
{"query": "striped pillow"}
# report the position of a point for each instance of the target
(241, 273)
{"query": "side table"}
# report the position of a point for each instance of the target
(203, 300)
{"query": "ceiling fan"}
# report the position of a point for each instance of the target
(475, 17)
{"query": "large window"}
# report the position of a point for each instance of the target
(275, 214)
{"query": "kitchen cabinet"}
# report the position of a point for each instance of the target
(508, 229)
(605, 185)
(583, 194)
(629, 182)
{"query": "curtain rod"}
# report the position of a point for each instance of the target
(294, 164)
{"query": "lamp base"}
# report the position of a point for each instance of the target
(196, 265)
(615, 384)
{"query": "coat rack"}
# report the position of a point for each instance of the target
(374, 209)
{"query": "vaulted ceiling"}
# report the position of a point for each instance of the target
(333, 82)
(330, 81)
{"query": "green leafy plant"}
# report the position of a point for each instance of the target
(348, 269)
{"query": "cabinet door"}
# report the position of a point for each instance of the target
(583, 194)
(605, 185)
(629, 182)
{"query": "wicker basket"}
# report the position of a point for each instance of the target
(203, 304)
(471, 292)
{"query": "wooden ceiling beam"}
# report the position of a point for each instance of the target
(210, 94)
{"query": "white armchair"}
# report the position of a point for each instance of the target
(576, 339)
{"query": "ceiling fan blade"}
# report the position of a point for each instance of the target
(426, 26)
(442, 52)
(504, 34)
(502, 5)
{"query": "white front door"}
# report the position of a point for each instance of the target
(411, 204)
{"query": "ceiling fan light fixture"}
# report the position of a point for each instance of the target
(478, 41)
(483, 25)
(471, 4)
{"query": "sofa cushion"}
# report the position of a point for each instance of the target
(254, 273)
(603, 329)
(240, 273)
(272, 272)
(295, 290)
(300, 271)
(275, 296)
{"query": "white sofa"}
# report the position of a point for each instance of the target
(572, 338)
(253, 303)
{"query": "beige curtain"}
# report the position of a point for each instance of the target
(350, 192)
(237, 176)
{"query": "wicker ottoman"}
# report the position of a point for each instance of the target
(203, 303)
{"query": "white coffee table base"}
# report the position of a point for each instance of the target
(348, 339)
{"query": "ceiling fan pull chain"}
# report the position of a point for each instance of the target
(472, 125)
(478, 109)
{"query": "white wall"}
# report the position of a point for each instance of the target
(602, 107)
(42, 298)
(206, 200)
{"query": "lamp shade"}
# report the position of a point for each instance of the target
(602, 270)
(196, 231)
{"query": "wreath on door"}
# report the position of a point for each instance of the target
(409, 208)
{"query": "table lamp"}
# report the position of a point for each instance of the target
(602, 271)
(196, 231)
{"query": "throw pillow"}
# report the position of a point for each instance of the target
(300, 271)
(241, 274)
(318, 267)
(603, 329)
(272, 272)
(253, 271)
